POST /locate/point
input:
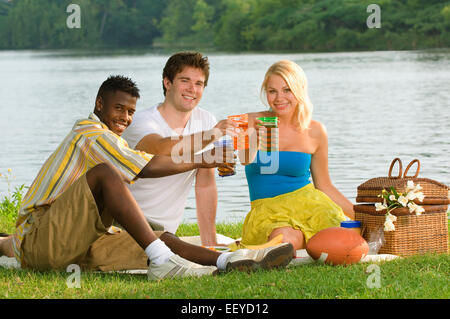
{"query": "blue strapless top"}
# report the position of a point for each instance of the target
(276, 173)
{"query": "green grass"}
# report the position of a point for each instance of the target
(414, 277)
(232, 230)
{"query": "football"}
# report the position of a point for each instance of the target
(337, 246)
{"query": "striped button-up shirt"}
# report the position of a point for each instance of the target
(88, 144)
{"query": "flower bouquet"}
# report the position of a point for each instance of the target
(393, 200)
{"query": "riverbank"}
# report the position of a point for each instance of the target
(419, 277)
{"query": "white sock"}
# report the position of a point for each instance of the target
(222, 261)
(158, 252)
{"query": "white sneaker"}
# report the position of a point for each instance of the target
(178, 267)
(267, 258)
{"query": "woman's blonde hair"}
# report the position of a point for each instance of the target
(296, 80)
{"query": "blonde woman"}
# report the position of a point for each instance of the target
(285, 201)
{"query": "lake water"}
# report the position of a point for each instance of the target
(376, 106)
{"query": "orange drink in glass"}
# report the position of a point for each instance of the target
(241, 140)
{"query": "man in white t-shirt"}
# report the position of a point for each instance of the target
(178, 122)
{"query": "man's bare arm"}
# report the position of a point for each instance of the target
(206, 203)
(189, 144)
(161, 165)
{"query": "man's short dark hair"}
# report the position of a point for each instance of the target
(178, 61)
(118, 83)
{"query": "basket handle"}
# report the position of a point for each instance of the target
(409, 165)
(392, 166)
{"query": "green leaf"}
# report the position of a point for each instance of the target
(395, 192)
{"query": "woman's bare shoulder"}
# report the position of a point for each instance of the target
(317, 130)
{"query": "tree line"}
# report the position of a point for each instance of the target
(226, 25)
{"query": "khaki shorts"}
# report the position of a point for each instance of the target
(71, 231)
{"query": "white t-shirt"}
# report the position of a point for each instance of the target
(163, 199)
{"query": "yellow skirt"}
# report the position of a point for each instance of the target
(307, 209)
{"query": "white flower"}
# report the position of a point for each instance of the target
(411, 195)
(379, 206)
(389, 226)
(409, 186)
(390, 217)
(389, 222)
(415, 208)
(392, 197)
(418, 187)
(403, 200)
(419, 210)
(420, 196)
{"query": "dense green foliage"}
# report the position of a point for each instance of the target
(10, 204)
(9, 209)
(229, 25)
(42, 24)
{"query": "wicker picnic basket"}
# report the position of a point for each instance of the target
(435, 193)
(413, 234)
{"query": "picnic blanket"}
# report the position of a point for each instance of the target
(302, 257)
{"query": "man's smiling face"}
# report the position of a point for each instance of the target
(116, 110)
(186, 89)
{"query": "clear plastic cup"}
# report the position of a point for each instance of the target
(268, 138)
(224, 144)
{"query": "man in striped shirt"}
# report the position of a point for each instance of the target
(66, 216)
